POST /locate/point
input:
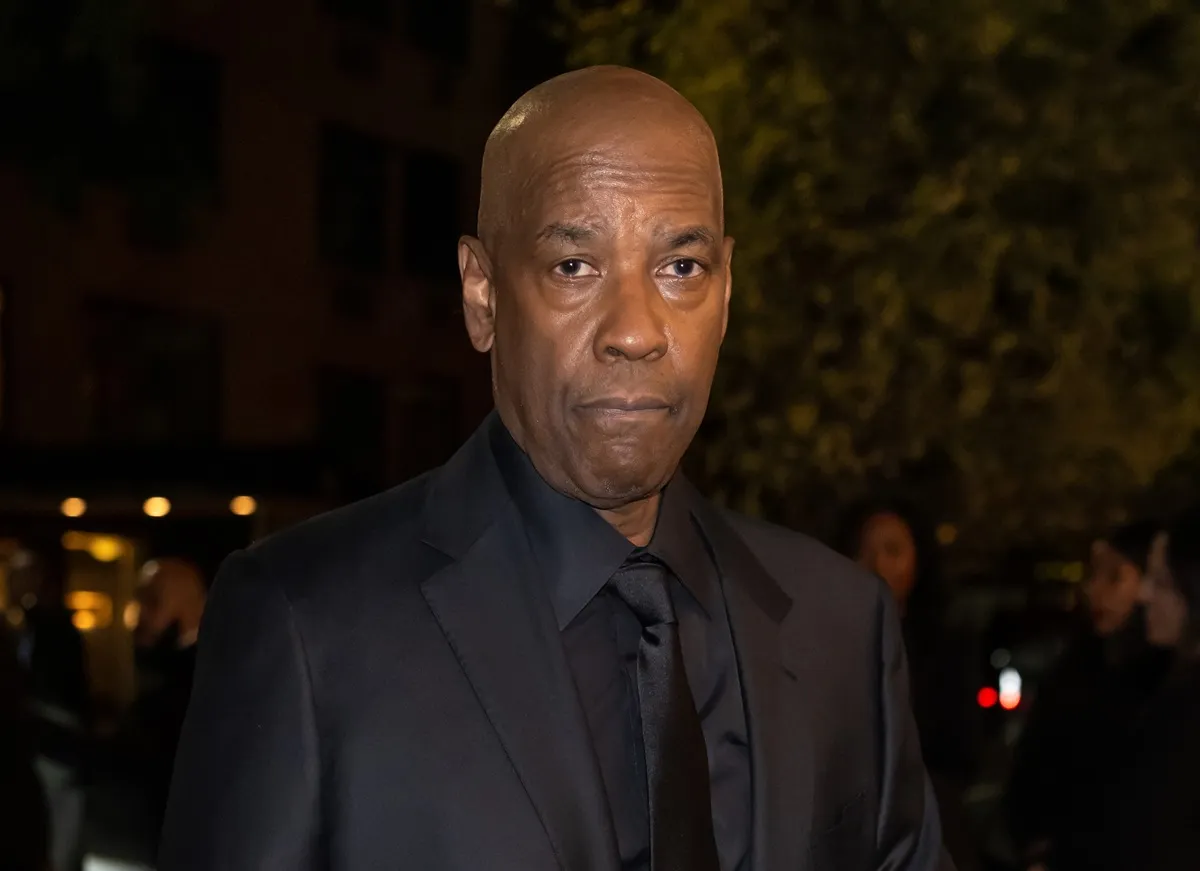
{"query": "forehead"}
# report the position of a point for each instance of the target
(886, 525)
(612, 182)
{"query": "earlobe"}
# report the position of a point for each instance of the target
(479, 301)
(729, 243)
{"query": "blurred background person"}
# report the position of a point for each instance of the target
(51, 654)
(1152, 815)
(1078, 734)
(171, 596)
(891, 539)
(24, 830)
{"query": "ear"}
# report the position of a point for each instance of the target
(729, 243)
(478, 293)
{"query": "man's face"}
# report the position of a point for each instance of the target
(1112, 588)
(610, 295)
(154, 612)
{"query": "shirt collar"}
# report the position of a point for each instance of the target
(578, 551)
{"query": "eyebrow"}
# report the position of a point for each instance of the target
(573, 233)
(691, 236)
(576, 233)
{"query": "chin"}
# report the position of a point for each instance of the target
(608, 488)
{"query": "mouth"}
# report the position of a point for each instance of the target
(627, 405)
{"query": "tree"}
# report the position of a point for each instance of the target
(967, 240)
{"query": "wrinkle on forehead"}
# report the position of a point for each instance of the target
(607, 125)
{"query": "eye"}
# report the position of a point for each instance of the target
(685, 267)
(575, 268)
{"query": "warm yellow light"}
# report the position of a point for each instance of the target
(157, 506)
(73, 507)
(947, 534)
(87, 600)
(243, 506)
(75, 540)
(133, 611)
(93, 610)
(105, 548)
(84, 621)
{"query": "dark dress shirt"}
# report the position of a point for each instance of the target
(578, 552)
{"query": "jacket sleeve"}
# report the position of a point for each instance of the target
(245, 794)
(909, 832)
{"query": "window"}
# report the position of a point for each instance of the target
(4, 345)
(371, 14)
(352, 429)
(352, 200)
(428, 425)
(441, 27)
(172, 156)
(155, 375)
(182, 108)
(359, 56)
(432, 215)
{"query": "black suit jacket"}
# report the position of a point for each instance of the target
(385, 687)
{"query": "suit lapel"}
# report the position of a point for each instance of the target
(499, 621)
(778, 722)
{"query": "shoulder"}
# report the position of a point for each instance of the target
(377, 536)
(837, 600)
(805, 567)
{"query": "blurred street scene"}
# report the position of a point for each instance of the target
(964, 350)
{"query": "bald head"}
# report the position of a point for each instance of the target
(596, 109)
(599, 283)
(171, 592)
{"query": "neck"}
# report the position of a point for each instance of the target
(635, 521)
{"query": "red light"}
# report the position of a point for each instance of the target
(987, 697)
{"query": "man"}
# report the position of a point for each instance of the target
(551, 653)
(24, 823)
(171, 596)
(52, 656)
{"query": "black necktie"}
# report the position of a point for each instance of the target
(681, 828)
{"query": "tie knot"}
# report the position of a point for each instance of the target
(642, 583)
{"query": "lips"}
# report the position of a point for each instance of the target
(627, 404)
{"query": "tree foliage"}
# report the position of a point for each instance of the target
(967, 240)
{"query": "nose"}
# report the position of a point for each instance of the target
(633, 326)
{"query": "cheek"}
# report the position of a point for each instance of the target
(538, 353)
(696, 356)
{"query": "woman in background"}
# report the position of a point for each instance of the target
(889, 538)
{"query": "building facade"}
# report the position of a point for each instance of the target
(253, 291)
(309, 297)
